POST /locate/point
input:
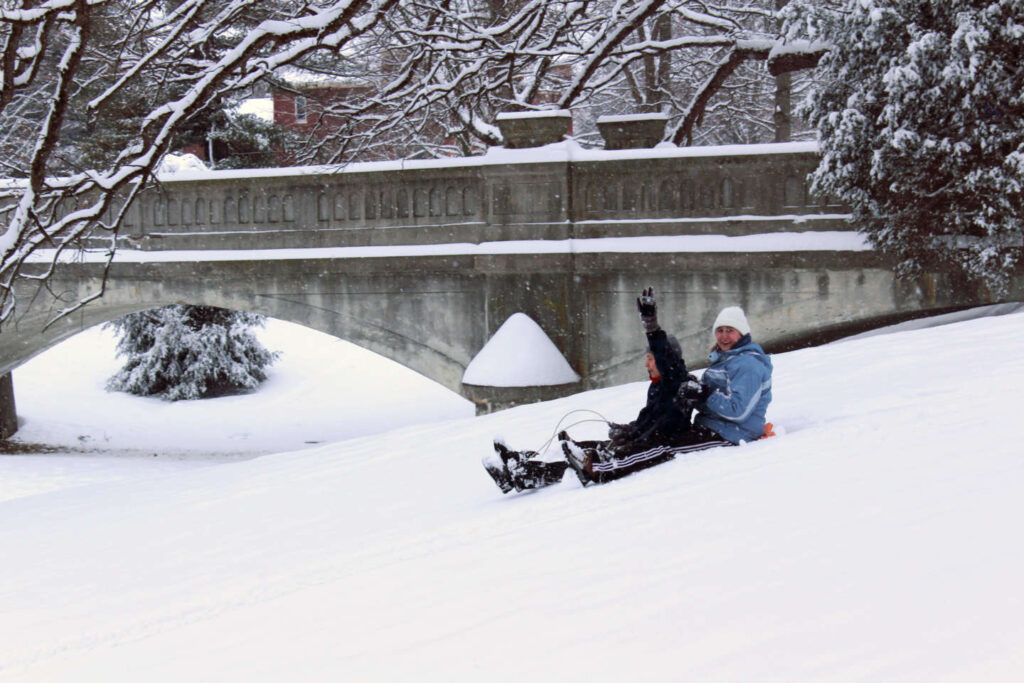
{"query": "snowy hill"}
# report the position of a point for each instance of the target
(877, 538)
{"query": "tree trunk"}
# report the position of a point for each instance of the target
(8, 412)
(657, 68)
(783, 114)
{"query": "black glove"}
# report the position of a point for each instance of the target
(648, 310)
(619, 432)
(691, 392)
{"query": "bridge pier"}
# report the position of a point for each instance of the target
(492, 399)
(8, 412)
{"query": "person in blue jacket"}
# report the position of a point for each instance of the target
(732, 396)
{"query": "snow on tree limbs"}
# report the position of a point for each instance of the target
(167, 54)
(919, 120)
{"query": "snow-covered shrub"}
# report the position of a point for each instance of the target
(189, 352)
(919, 119)
(180, 163)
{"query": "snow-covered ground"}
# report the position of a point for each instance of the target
(321, 389)
(876, 538)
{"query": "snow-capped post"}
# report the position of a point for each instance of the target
(632, 131)
(533, 128)
(519, 364)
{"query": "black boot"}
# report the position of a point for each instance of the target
(504, 452)
(577, 459)
(496, 466)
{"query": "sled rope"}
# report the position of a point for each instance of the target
(558, 425)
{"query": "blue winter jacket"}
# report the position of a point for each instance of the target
(741, 383)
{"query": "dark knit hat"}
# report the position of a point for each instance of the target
(674, 344)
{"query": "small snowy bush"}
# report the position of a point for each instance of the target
(247, 141)
(189, 352)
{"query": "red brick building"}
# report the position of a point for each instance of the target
(302, 100)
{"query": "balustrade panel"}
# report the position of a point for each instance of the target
(201, 218)
(624, 191)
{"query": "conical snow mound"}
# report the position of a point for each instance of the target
(519, 355)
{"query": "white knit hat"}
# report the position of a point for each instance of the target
(732, 316)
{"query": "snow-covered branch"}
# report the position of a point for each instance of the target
(113, 52)
(447, 69)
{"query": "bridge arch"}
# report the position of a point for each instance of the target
(296, 323)
(244, 287)
(433, 314)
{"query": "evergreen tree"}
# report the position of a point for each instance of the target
(189, 352)
(919, 117)
(247, 141)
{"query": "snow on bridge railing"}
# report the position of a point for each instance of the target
(557, 191)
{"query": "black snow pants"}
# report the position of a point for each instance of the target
(607, 460)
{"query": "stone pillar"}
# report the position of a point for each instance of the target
(533, 128)
(634, 131)
(8, 413)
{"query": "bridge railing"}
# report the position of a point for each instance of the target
(555, 192)
(720, 190)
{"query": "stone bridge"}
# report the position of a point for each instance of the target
(421, 261)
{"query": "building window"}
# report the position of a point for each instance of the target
(300, 109)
